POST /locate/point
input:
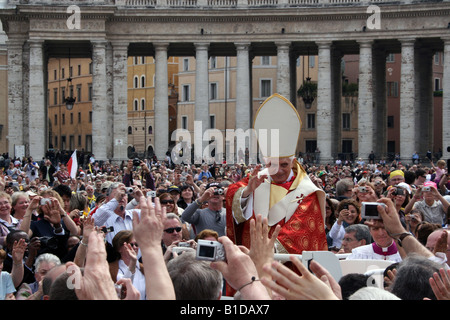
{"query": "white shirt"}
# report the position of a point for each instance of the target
(137, 278)
(105, 216)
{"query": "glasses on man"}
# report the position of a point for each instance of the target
(171, 230)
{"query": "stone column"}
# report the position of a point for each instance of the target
(243, 104)
(446, 102)
(407, 110)
(324, 107)
(201, 97)
(283, 70)
(15, 95)
(100, 137)
(120, 77)
(365, 101)
(37, 110)
(423, 67)
(161, 101)
(379, 99)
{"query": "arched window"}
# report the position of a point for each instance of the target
(130, 130)
(136, 82)
(150, 130)
(142, 81)
(142, 104)
(136, 104)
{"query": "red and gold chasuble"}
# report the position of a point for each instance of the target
(303, 230)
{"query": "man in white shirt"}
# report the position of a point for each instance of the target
(113, 213)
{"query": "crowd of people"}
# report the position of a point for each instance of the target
(131, 230)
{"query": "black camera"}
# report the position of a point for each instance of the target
(136, 162)
(48, 242)
(106, 230)
(218, 191)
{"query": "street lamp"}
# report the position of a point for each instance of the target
(69, 101)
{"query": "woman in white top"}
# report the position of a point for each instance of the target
(128, 265)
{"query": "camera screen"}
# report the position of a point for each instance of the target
(207, 251)
(371, 210)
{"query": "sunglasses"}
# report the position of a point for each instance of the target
(171, 230)
(166, 201)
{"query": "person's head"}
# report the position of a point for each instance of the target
(344, 188)
(172, 229)
(279, 168)
(373, 293)
(216, 201)
(59, 290)
(120, 238)
(43, 264)
(396, 177)
(366, 191)
(66, 193)
(424, 229)
(78, 201)
(19, 202)
(89, 190)
(194, 279)
(356, 235)
(353, 214)
(412, 279)
(174, 191)
(5, 205)
(429, 196)
(48, 194)
(421, 176)
(441, 164)
(330, 208)
(433, 238)
(207, 234)
(187, 193)
(352, 282)
(401, 196)
(168, 202)
(13, 236)
(379, 233)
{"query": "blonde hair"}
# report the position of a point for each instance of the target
(441, 163)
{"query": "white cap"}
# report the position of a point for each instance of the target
(277, 125)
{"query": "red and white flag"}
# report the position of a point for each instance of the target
(72, 165)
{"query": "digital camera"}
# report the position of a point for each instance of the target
(369, 210)
(210, 250)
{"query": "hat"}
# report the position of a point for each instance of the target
(214, 184)
(430, 184)
(321, 173)
(106, 184)
(277, 127)
(173, 188)
(404, 185)
(397, 173)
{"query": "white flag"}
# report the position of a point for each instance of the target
(72, 165)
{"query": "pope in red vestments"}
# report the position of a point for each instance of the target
(287, 198)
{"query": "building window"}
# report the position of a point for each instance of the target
(142, 104)
(265, 60)
(311, 145)
(71, 118)
(55, 96)
(390, 121)
(79, 73)
(436, 58)
(312, 61)
(213, 91)
(56, 142)
(90, 68)
(185, 93)
(212, 121)
(90, 91)
(186, 64)
(347, 146)
(55, 75)
(150, 130)
(63, 119)
(346, 121)
(79, 140)
(311, 121)
(56, 120)
(390, 57)
(213, 62)
(63, 73)
(130, 130)
(392, 89)
(63, 94)
(78, 92)
(266, 88)
(90, 116)
(136, 82)
(184, 122)
(136, 104)
(437, 84)
(142, 81)
(79, 117)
